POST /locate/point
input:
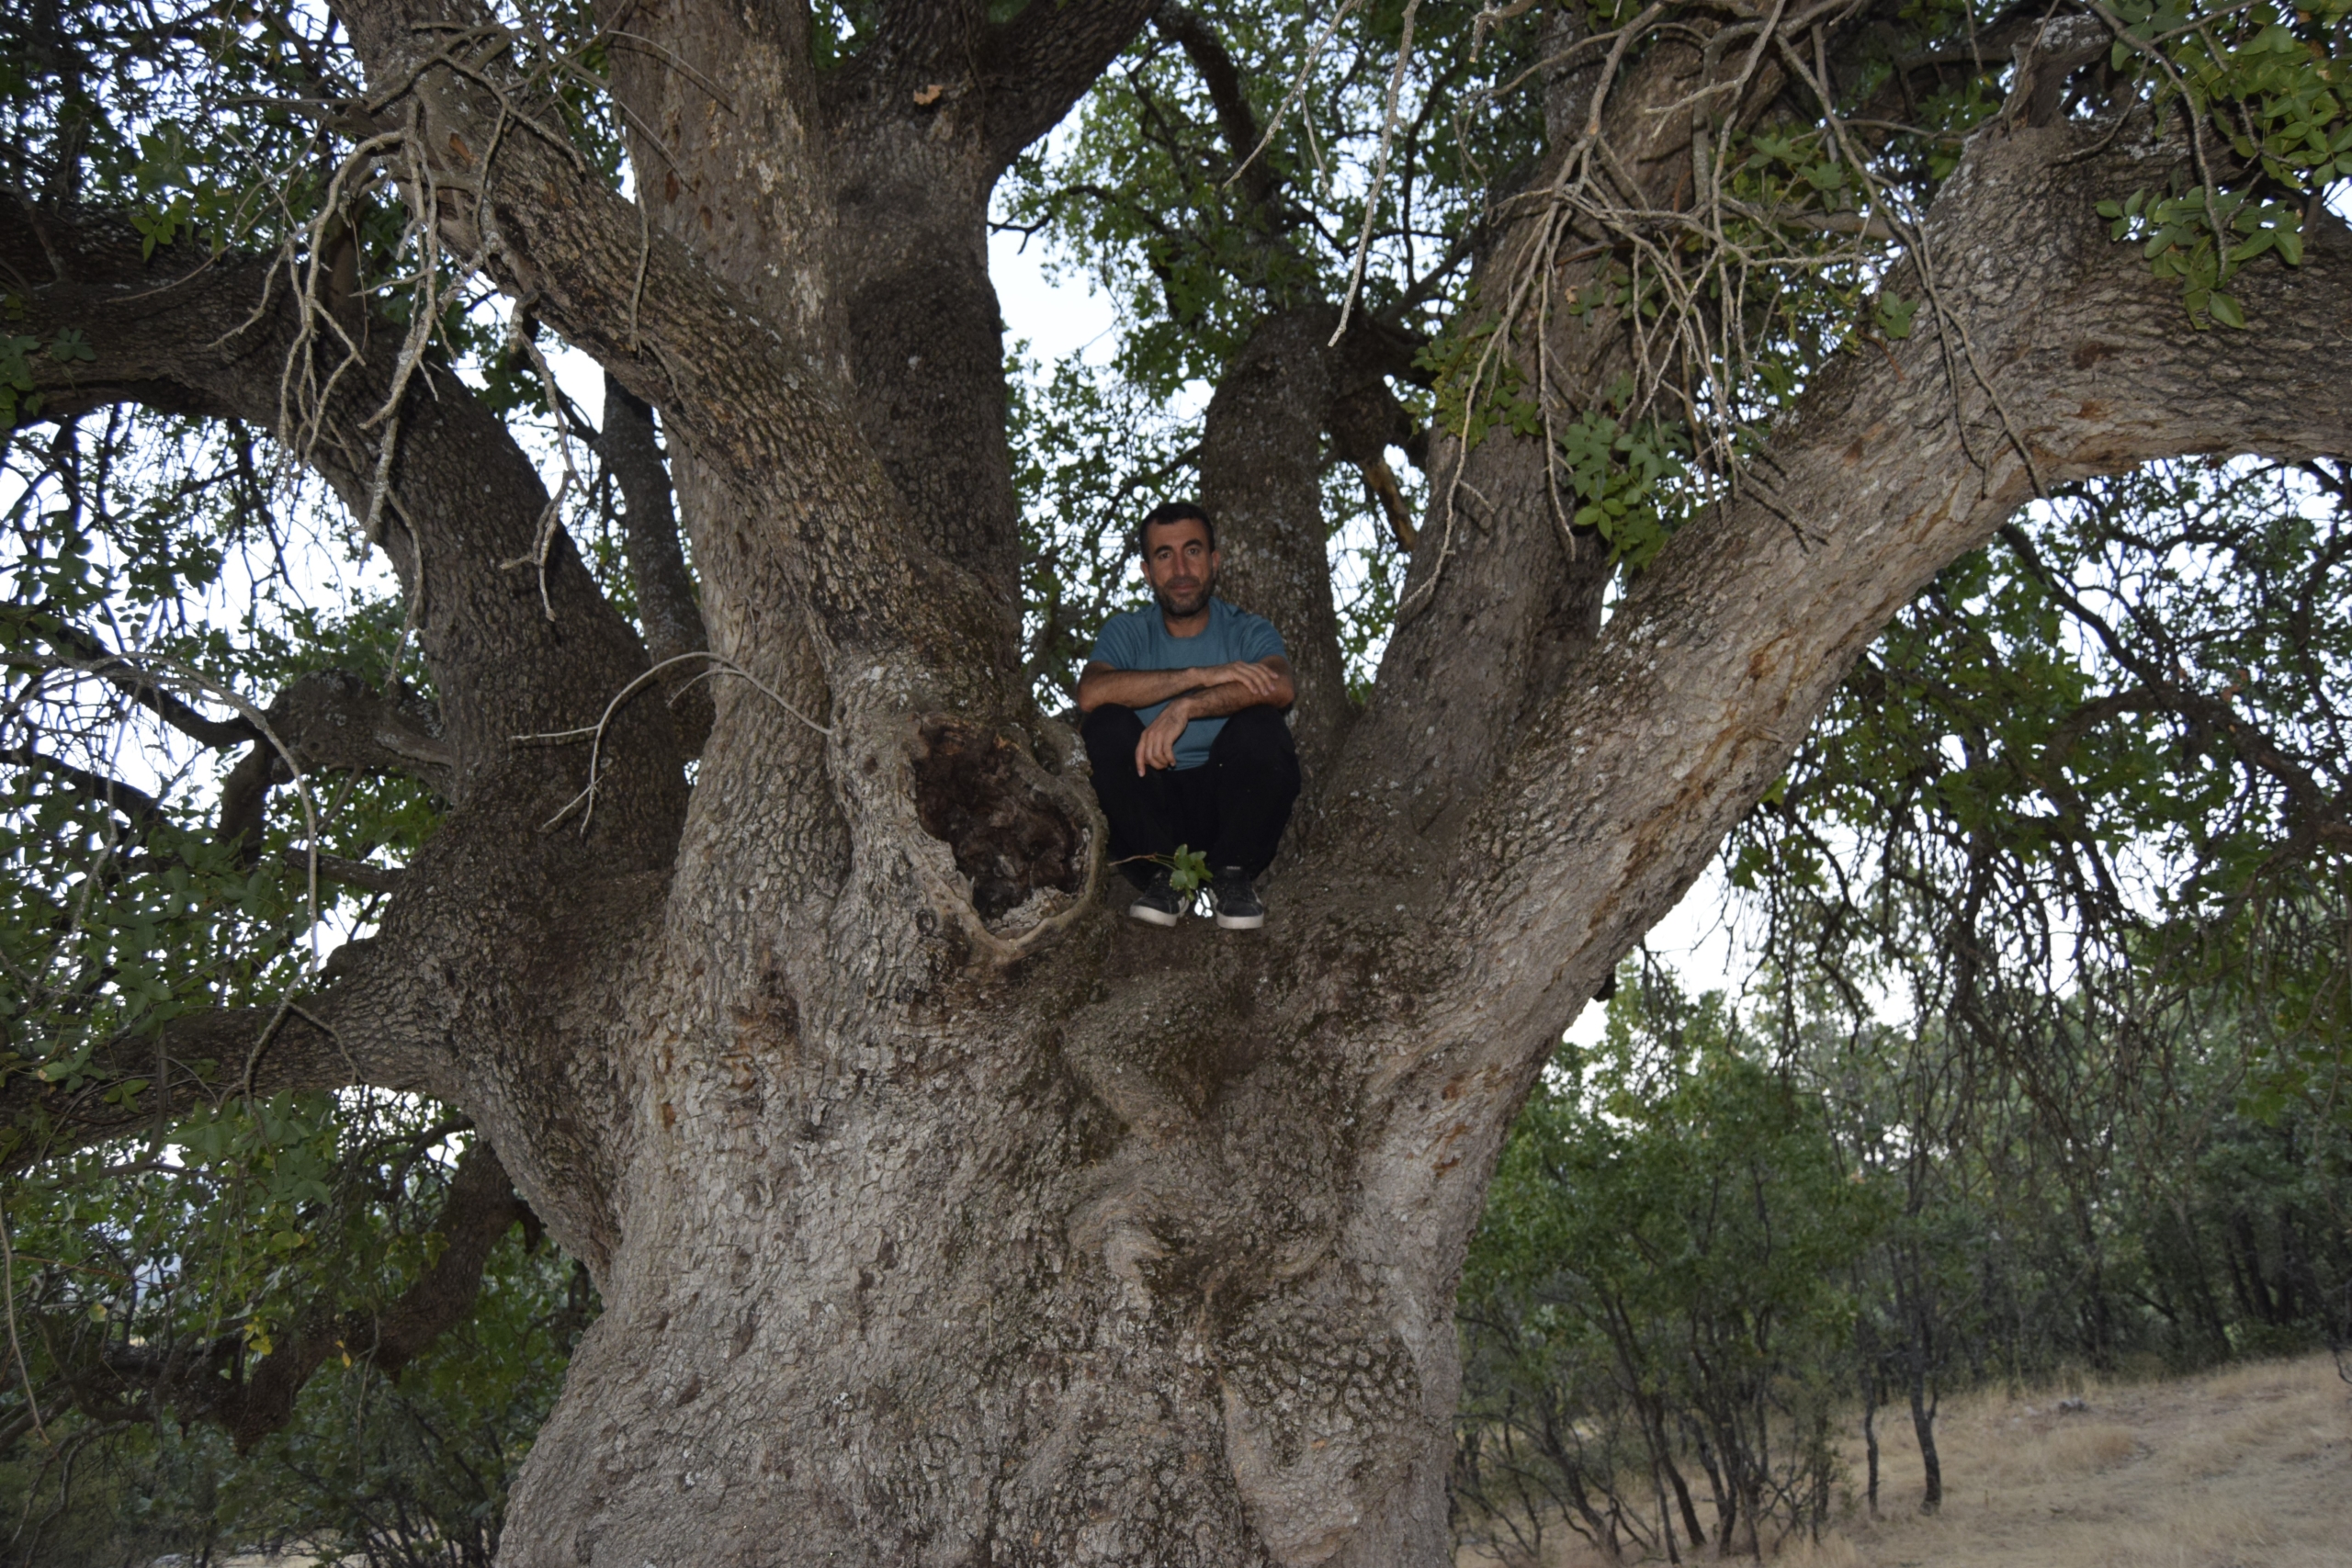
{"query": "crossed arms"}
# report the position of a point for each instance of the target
(1203, 691)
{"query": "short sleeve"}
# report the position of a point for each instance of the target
(1260, 640)
(1114, 645)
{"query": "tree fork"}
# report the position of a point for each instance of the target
(1131, 1246)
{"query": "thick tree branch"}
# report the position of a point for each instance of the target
(667, 606)
(324, 719)
(1502, 592)
(331, 718)
(90, 653)
(489, 983)
(657, 565)
(774, 426)
(363, 874)
(133, 804)
(1033, 67)
(211, 337)
(1261, 467)
(1890, 469)
(1236, 119)
(865, 248)
(244, 799)
(901, 631)
(134, 1083)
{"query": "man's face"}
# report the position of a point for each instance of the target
(1179, 566)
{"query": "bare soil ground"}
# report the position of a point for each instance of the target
(2249, 1467)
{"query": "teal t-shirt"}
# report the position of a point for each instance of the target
(1139, 640)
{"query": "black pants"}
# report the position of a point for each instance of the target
(1233, 808)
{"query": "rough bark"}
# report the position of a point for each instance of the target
(657, 564)
(1261, 479)
(927, 1235)
(1262, 1170)
(852, 207)
(667, 607)
(1480, 639)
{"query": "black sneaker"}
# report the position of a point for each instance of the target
(1157, 904)
(1239, 907)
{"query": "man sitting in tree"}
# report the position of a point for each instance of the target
(1184, 706)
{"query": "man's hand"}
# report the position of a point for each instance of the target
(1158, 746)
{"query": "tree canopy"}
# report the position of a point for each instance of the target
(1901, 445)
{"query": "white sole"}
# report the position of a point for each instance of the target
(1150, 916)
(1241, 922)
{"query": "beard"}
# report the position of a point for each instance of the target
(1188, 602)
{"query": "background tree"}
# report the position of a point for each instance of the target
(1671, 1203)
(929, 1207)
(1705, 1214)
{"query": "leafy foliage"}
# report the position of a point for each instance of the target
(121, 541)
(1145, 193)
(2081, 807)
(1662, 1266)
(115, 1272)
(2091, 773)
(2272, 87)
(160, 579)
(1713, 1235)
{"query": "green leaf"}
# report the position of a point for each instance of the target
(71, 345)
(1188, 869)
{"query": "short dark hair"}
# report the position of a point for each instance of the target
(1169, 512)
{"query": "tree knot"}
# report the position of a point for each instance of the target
(1012, 837)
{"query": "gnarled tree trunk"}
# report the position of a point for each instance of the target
(940, 1214)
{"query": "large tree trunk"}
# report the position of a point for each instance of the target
(1261, 479)
(1142, 1250)
(940, 1214)
(947, 1297)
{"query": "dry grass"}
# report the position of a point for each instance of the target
(2247, 1468)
